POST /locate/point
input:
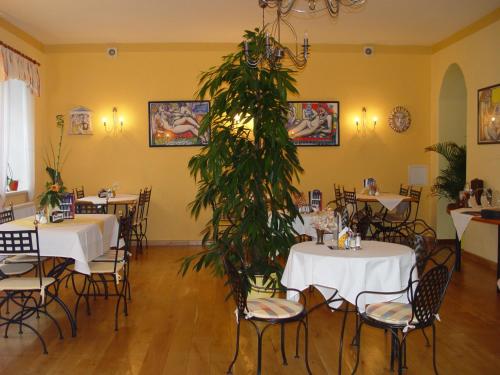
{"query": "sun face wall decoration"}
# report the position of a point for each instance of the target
(400, 119)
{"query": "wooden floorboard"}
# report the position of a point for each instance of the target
(185, 326)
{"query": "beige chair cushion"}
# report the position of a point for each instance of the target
(109, 256)
(104, 267)
(25, 283)
(13, 269)
(390, 312)
(273, 308)
(24, 259)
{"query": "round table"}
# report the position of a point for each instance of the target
(378, 266)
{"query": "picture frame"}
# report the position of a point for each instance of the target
(177, 122)
(80, 121)
(314, 123)
(488, 115)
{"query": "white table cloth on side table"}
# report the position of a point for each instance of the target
(378, 266)
(83, 238)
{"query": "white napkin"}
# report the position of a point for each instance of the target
(460, 221)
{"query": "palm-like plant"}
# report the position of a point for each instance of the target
(245, 175)
(452, 178)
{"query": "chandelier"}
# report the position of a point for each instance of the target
(274, 50)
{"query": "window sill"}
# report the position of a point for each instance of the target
(16, 197)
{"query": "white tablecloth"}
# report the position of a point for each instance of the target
(118, 199)
(83, 239)
(388, 200)
(378, 266)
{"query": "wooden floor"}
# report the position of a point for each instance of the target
(184, 326)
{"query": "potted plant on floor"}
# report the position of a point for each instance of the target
(451, 179)
(245, 175)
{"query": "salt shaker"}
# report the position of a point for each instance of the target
(358, 241)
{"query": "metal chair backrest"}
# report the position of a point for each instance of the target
(415, 200)
(79, 192)
(339, 197)
(147, 200)
(351, 203)
(21, 242)
(403, 189)
(90, 208)
(7, 215)
(431, 287)
(124, 235)
(238, 283)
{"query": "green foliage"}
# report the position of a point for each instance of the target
(246, 175)
(452, 178)
(54, 189)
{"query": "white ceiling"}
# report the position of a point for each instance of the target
(398, 22)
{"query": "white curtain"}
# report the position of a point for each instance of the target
(17, 147)
(15, 66)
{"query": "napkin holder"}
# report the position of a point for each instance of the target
(57, 217)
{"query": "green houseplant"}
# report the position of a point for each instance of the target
(54, 188)
(451, 179)
(245, 174)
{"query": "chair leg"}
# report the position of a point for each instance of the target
(427, 343)
(283, 355)
(306, 345)
(358, 340)
(342, 331)
(259, 353)
(393, 347)
(120, 296)
(434, 349)
(66, 311)
(230, 369)
(297, 338)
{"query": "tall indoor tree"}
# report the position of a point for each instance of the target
(245, 175)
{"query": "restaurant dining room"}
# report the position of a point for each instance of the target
(250, 187)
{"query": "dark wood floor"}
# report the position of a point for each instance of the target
(184, 326)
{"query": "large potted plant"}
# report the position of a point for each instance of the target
(452, 178)
(245, 174)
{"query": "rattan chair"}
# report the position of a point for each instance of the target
(30, 294)
(425, 296)
(109, 271)
(267, 311)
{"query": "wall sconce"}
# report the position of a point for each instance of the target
(117, 121)
(363, 120)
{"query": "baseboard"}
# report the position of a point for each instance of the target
(174, 243)
(479, 260)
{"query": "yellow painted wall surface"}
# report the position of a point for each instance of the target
(9, 37)
(92, 79)
(479, 58)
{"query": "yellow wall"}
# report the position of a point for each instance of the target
(92, 79)
(26, 44)
(478, 57)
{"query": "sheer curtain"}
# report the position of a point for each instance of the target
(16, 136)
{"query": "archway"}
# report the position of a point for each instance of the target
(452, 127)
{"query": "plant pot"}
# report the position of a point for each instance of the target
(259, 282)
(13, 185)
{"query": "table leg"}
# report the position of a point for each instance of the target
(458, 253)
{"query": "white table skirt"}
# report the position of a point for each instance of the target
(83, 239)
(378, 266)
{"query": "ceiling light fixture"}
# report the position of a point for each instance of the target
(274, 51)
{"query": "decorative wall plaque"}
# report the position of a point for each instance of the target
(399, 119)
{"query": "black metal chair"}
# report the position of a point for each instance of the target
(359, 218)
(140, 224)
(111, 269)
(7, 215)
(425, 296)
(79, 192)
(30, 294)
(84, 208)
(270, 311)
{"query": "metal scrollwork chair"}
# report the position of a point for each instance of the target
(359, 218)
(111, 269)
(30, 294)
(79, 192)
(425, 296)
(270, 311)
(87, 208)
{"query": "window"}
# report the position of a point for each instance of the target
(16, 135)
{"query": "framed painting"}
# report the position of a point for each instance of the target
(177, 123)
(488, 115)
(80, 121)
(314, 123)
